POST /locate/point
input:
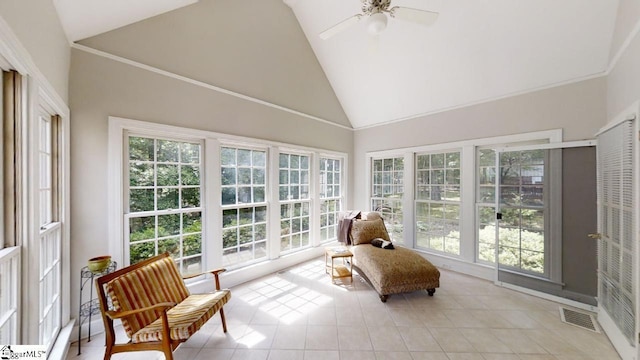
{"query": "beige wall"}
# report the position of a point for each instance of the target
(579, 109)
(101, 87)
(623, 82)
(36, 24)
(626, 19)
(253, 47)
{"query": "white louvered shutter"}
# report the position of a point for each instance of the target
(616, 248)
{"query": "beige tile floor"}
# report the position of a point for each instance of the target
(299, 314)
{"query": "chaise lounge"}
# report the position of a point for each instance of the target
(389, 271)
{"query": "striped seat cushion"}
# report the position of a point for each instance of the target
(157, 282)
(186, 317)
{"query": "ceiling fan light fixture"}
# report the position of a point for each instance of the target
(376, 23)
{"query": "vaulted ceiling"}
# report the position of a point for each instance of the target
(478, 50)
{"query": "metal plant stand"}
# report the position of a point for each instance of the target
(91, 306)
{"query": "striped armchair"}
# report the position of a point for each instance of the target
(155, 307)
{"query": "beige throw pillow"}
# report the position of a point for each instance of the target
(363, 231)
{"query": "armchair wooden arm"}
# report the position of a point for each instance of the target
(113, 315)
(214, 272)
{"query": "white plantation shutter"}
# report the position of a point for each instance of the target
(616, 248)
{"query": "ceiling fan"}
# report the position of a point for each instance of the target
(374, 11)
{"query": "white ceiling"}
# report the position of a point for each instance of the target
(478, 50)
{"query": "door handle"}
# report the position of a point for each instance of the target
(595, 236)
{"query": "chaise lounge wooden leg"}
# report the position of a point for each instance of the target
(384, 298)
(431, 291)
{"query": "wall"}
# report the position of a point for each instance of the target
(101, 87)
(626, 19)
(623, 82)
(579, 109)
(253, 47)
(36, 24)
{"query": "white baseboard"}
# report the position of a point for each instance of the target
(554, 298)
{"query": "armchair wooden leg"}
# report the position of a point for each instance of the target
(224, 322)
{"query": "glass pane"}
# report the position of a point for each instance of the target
(244, 176)
(229, 237)
(191, 222)
(284, 177)
(168, 151)
(168, 225)
(190, 175)
(228, 195)
(422, 162)
(228, 156)
(142, 228)
(377, 165)
(284, 161)
(258, 194)
(453, 160)
(141, 200)
(533, 261)
(244, 157)
(259, 158)
(141, 174)
(140, 148)
(171, 245)
(487, 194)
(190, 197)
(486, 157)
(168, 175)
(228, 176)
(258, 176)
(141, 250)
(294, 162)
(190, 153)
(168, 199)
(437, 161)
(192, 265)
(229, 217)
(244, 195)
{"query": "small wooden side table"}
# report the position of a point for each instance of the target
(340, 270)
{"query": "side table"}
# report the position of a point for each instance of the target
(341, 270)
(91, 306)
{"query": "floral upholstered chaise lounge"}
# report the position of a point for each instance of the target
(389, 271)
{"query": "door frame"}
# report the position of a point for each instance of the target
(555, 272)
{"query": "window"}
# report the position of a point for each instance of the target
(438, 202)
(244, 205)
(330, 197)
(256, 204)
(50, 234)
(294, 201)
(165, 200)
(387, 191)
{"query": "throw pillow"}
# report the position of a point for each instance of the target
(381, 243)
(363, 231)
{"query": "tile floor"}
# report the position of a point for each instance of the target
(299, 314)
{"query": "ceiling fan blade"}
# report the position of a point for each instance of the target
(340, 27)
(421, 17)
